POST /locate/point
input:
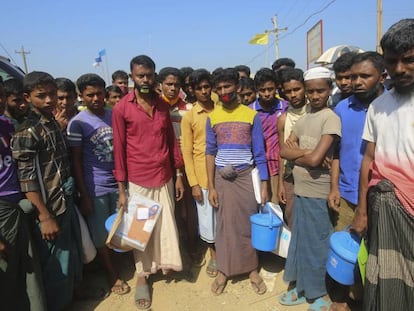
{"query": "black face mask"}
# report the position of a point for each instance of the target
(228, 98)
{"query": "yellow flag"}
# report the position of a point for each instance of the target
(261, 38)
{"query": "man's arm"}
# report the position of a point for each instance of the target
(281, 192)
(290, 149)
(86, 204)
(360, 222)
(317, 155)
(212, 193)
(48, 225)
(334, 197)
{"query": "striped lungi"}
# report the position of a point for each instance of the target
(390, 268)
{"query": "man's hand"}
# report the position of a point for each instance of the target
(3, 250)
(61, 118)
(263, 192)
(360, 222)
(281, 193)
(334, 200)
(122, 201)
(86, 205)
(179, 188)
(197, 193)
(213, 197)
(48, 227)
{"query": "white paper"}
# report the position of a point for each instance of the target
(142, 213)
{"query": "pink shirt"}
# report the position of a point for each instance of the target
(145, 148)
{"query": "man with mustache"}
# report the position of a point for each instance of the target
(146, 156)
(386, 187)
(367, 75)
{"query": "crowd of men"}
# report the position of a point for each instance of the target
(192, 140)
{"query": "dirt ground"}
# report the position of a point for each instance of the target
(190, 289)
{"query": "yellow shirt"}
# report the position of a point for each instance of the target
(193, 145)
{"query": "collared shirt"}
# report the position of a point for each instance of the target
(40, 151)
(193, 145)
(145, 148)
(270, 133)
(352, 148)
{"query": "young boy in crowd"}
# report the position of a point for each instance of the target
(66, 99)
(247, 92)
(269, 109)
(342, 70)
(16, 106)
(20, 279)
(120, 79)
(90, 140)
(113, 94)
(40, 151)
(313, 138)
(235, 143)
(294, 90)
(193, 147)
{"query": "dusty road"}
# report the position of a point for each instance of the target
(190, 290)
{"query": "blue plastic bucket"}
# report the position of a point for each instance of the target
(265, 231)
(342, 257)
(108, 225)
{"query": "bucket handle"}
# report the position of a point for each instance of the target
(269, 211)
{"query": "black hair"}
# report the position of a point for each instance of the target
(13, 87)
(36, 79)
(264, 75)
(291, 74)
(288, 62)
(142, 60)
(243, 68)
(119, 75)
(399, 38)
(199, 75)
(247, 83)
(114, 89)
(89, 79)
(228, 74)
(65, 85)
(375, 58)
(344, 62)
(169, 71)
(186, 71)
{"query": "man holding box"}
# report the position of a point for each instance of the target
(145, 151)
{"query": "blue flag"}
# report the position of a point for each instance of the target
(102, 53)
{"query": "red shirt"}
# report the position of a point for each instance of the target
(145, 148)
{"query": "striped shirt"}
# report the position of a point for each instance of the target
(235, 137)
(269, 122)
(40, 152)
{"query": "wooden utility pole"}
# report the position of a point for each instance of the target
(379, 25)
(23, 52)
(276, 31)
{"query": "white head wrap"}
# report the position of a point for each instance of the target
(317, 73)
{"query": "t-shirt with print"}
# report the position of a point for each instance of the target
(314, 182)
(94, 134)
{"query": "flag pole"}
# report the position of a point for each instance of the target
(109, 82)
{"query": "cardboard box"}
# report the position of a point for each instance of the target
(134, 229)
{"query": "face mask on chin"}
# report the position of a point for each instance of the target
(228, 98)
(144, 88)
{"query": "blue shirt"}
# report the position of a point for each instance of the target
(352, 114)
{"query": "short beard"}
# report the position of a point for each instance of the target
(370, 95)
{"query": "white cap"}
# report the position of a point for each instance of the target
(317, 73)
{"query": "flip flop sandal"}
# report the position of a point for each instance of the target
(217, 288)
(286, 299)
(211, 269)
(259, 287)
(198, 259)
(142, 297)
(320, 304)
(121, 289)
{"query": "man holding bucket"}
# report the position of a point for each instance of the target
(235, 143)
(387, 180)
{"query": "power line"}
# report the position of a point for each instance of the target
(293, 31)
(8, 54)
